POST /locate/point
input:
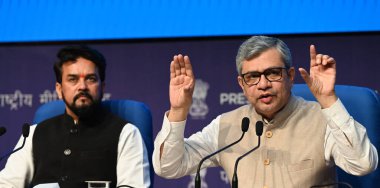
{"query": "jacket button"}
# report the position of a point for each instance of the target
(266, 162)
(269, 134)
(67, 152)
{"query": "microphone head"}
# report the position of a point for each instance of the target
(3, 130)
(259, 128)
(25, 130)
(245, 124)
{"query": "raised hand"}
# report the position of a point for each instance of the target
(321, 80)
(181, 88)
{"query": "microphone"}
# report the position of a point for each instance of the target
(3, 130)
(244, 128)
(25, 130)
(25, 133)
(259, 132)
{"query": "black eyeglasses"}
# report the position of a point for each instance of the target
(271, 74)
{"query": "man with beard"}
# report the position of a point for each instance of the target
(86, 143)
(302, 142)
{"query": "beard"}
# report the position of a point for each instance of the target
(83, 111)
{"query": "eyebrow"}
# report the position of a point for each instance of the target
(74, 75)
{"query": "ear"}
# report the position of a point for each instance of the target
(58, 89)
(291, 74)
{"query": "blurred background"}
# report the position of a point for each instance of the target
(140, 37)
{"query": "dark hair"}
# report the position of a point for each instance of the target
(72, 53)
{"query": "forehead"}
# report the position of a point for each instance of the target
(79, 67)
(267, 59)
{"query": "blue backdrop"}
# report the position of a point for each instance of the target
(62, 20)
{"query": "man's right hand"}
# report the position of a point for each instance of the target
(181, 88)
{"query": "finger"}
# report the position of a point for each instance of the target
(305, 76)
(181, 64)
(324, 59)
(318, 59)
(177, 68)
(331, 60)
(313, 53)
(188, 67)
(172, 70)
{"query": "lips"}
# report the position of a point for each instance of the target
(83, 96)
(266, 98)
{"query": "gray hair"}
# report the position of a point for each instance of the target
(256, 45)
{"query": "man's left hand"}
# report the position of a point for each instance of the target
(321, 80)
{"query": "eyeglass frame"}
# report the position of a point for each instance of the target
(263, 73)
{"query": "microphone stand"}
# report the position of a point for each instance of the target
(9, 153)
(244, 128)
(197, 177)
(259, 132)
(25, 134)
(234, 177)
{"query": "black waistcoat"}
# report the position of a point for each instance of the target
(71, 154)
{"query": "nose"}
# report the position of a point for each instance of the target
(264, 83)
(82, 84)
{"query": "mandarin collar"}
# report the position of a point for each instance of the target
(280, 117)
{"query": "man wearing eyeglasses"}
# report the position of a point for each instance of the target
(303, 140)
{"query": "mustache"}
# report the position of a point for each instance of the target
(83, 94)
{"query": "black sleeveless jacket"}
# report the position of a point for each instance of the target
(71, 154)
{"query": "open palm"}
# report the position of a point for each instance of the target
(181, 82)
